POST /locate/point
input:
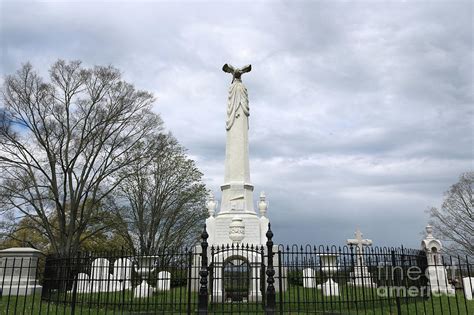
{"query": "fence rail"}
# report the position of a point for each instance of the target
(255, 279)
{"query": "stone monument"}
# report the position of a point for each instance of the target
(436, 271)
(468, 287)
(18, 266)
(309, 278)
(237, 221)
(360, 276)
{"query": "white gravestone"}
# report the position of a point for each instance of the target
(18, 271)
(360, 276)
(309, 278)
(330, 288)
(100, 276)
(102, 281)
(468, 285)
(83, 283)
(143, 290)
(436, 271)
(122, 274)
(164, 281)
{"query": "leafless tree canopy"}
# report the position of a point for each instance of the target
(163, 202)
(63, 143)
(454, 221)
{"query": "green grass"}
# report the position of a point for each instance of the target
(297, 300)
(173, 301)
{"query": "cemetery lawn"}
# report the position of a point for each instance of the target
(175, 301)
(312, 301)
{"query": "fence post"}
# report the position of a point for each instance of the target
(203, 294)
(48, 277)
(270, 294)
(280, 280)
(396, 282)
(76, 264)
(190, 279)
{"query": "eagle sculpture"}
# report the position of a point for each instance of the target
(236, 72)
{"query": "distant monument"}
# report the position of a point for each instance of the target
(237, 222)
(360, 276)
(436, 271)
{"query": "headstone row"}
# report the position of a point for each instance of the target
(436, 272)
(100, 280)
(359, 277)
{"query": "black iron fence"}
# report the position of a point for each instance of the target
(343, 280)
(244, 279)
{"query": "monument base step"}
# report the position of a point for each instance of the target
(21, 290)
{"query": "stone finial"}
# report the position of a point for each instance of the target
(430, 243)
(211, 205)
(237, 230)
(263, 205)
(429, 232)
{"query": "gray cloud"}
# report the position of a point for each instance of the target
(361, 113)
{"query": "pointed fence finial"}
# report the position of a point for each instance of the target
(203, 273)
(204, 234)
(270, 306)
(269, 234)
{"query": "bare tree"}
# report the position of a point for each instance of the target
(61, 142)
(454, 221)
(163, 202)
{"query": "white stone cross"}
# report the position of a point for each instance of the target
(360, 243)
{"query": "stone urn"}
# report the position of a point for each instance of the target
(329, 267)
(211, 205)
(429, 231)
(144, 267)
(262, 205)
(328, 263)
(237, 230)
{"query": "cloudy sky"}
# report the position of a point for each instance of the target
(361, 112)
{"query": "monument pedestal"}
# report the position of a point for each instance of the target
(255, 228)
(438, 280)
(18, 271)
(361, 277)
(330, 288)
